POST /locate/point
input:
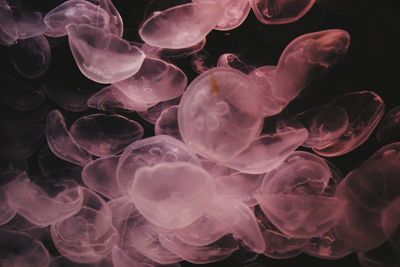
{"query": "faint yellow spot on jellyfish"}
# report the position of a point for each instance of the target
(215, 87)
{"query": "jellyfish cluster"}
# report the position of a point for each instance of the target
(228, 171)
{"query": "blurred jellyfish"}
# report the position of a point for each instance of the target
(389, 128)
(31, 57)
(167, 123)
(280, 11)
(20, 249)
(8, 28)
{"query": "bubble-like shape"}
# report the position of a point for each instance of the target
(218, 115)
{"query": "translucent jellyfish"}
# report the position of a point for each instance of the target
(305, 59)
(277, 244)
(101, 56)
(152, 114)
(37, 206)
(62, 143)
(292, 197)
(8, 28)
(22, 250)
(182, 189)
(368, 191)
(364, 110)
(280, 11)
(267, 151)
(390, 221)
(72, 99)
(105, 135)
(239, 186)
(31, 57)
(389, 128)
(29, 23)
(19, 95)
(167, 123)
(88, 235)
(150, 152)
(100, 176)
(324, 124)
(235, 13)
(218, 114)
(6, 211)
(77, 12)
(214, 252)
(156, 81)
(110, 98)
(181, 26)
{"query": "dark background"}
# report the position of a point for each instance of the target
(372, 63)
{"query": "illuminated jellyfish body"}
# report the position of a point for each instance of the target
(305, 59)
(370, 191)
(181, 26)
(218, 114)
(163, 177)
(292, 197)
(280, 11)
(77, 12)
(235, 12)
(156, 81)
(101, 56)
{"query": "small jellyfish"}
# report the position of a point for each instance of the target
(182, 189)
(77, 12)
(280, 11)
(31, 57)
(110, 98)
(156, 81)
(8, 28)
(105, 135)
(101, 56)
(324, 124)
(305, 59)
(181, 26)
(218, 114)
(364, 111)
(116, 24)
(61, 143)
(235, 13)
(29, 23)
(389, 128)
